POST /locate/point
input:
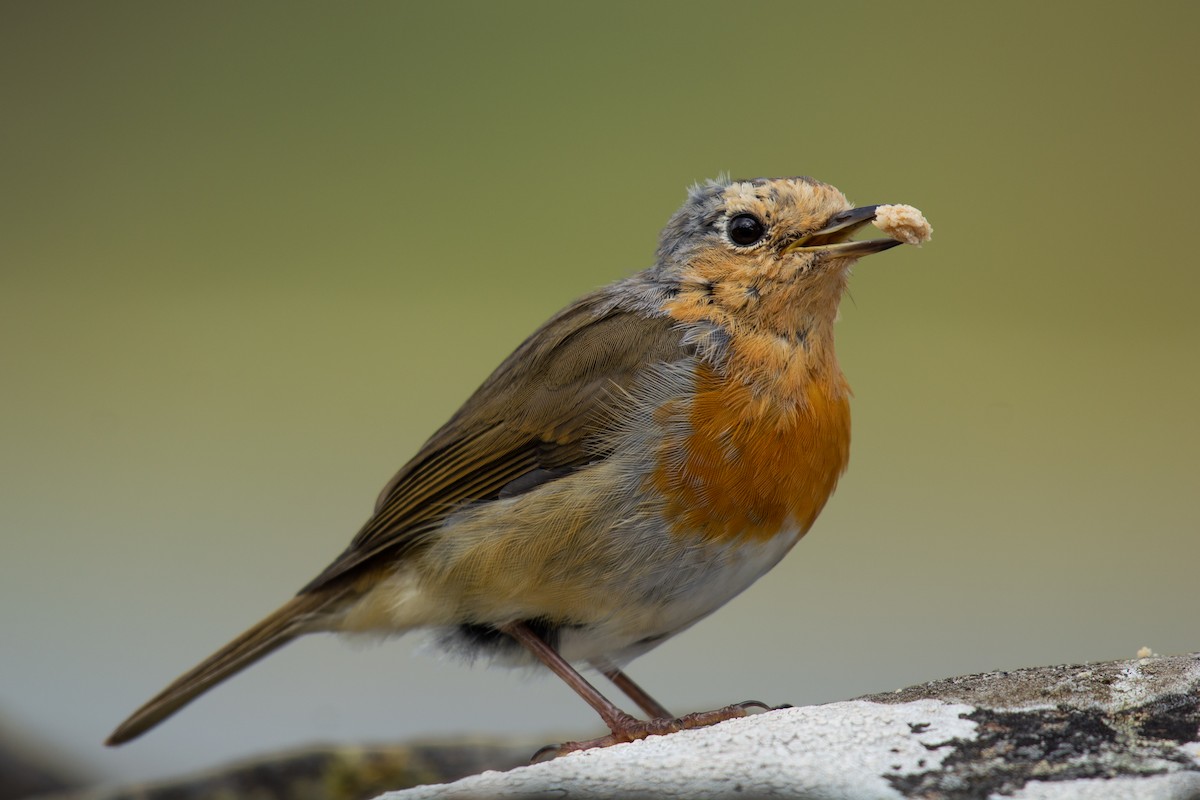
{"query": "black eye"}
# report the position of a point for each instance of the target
(746, 229)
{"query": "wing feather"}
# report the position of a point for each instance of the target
(534, 419)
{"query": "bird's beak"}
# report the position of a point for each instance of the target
(831, 238)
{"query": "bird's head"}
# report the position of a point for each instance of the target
(772, 252)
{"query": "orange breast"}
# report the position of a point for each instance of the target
(756, 460)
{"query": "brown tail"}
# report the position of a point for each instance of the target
(298, 616)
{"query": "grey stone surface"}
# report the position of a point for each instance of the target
(1128, 729)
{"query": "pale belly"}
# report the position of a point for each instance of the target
(700, 581)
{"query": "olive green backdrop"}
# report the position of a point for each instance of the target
(252, 254)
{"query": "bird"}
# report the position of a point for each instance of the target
(643, 457)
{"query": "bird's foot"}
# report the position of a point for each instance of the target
(631, 729)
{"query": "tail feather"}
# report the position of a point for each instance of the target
(298, 616)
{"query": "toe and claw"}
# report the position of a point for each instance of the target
(629, 729)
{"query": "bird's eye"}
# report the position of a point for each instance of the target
(746, 229)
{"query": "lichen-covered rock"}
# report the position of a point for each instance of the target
(1115, 730)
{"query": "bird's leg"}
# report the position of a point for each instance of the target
(624, 727)
(620, 723)
(634, 692)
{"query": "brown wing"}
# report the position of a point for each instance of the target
(528, 423)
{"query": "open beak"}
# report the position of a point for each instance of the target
(831, 238)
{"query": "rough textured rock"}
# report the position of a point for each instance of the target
(1115, 730)
(1097, 722)
(1128, 729)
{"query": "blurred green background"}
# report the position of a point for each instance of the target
(253, 254)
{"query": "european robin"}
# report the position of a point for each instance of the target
(642, 458)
